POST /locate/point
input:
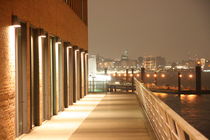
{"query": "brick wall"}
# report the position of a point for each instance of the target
(56, 18)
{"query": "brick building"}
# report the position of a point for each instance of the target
(43, 61)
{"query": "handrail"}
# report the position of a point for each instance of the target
(167, 124)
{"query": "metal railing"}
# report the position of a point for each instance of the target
(167, 124)
(97, 86)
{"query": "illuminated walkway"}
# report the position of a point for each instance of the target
(116, 117)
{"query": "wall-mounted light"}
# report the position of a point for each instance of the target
(15, 22)
(58, 40)
(42, 33)
(67, 45)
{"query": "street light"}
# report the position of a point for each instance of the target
(155, 75)
(163, 75)
(190, 76)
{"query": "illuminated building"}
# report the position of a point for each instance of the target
(43, 65)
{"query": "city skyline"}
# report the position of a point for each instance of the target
(173, 29)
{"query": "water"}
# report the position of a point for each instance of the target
(195, 109)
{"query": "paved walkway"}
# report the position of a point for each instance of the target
(97, 117)
(116, 117)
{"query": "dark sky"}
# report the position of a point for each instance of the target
(175, 29)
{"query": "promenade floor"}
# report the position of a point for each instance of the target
(97, 117)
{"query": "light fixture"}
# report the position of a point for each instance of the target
(15, 22)
(76, 48)
(57, 40)
(155, 75)
(190, 76)
(67, 45)
(41, 33)
(163, 75)
(148, 75)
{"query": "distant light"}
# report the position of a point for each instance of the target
(119, 74)
(125, 74)
(163, 75)
(114, 74)
(155, 75)
(138, 75)
(117, 83)
(190, 76)
(131, 75)
(148, 75)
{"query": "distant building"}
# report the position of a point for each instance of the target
(207, 65)
(92, 64)
(154, 63)
(124, 56)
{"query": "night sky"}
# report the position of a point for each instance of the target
(175, 29)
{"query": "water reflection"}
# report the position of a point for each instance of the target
(193, 108)
(161, 95)
(188, 98)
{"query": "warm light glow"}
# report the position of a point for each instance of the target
(119, 74)
(114, 74)
(148, 75)
(138, 75)
(190, 76)
(131, 75)
(180, 75)
(16, 26)
(58, 43)
(12, 51)
(155, 75)
(163, 75)
(162, 95)
(57, 55)
(188, 97)
(125, 74)
(42, 36)
(117, 83)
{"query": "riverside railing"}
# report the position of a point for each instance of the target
(167, 124)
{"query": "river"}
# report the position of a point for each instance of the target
(195, 109)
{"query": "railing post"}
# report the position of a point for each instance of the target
(142, 74)
(179, 81)
(132, 71)
(198, 78)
